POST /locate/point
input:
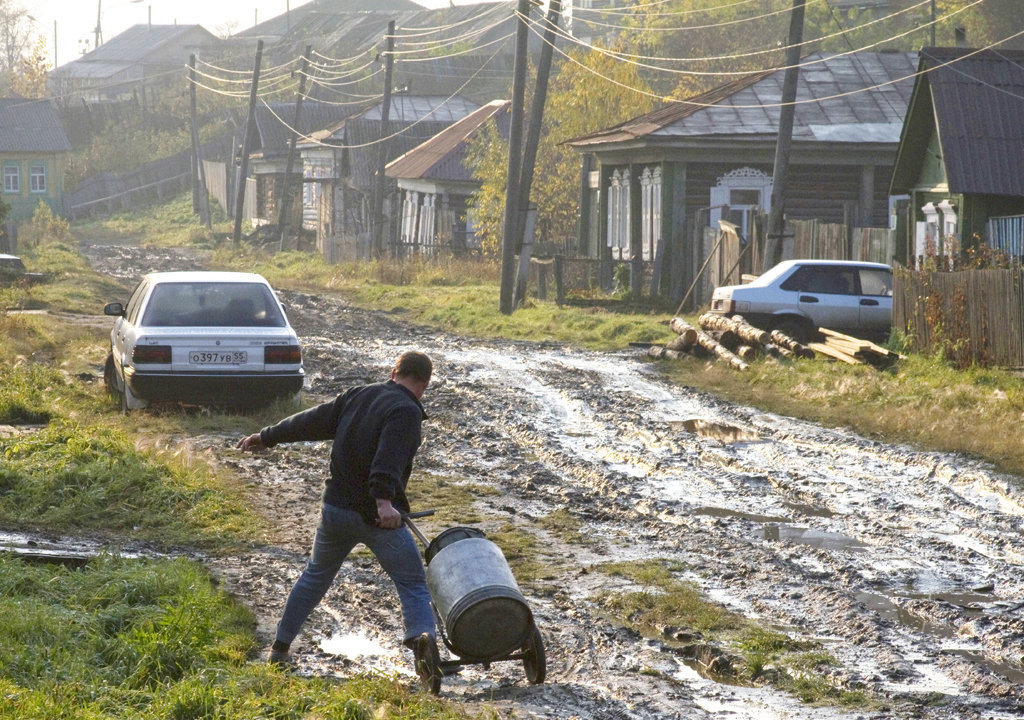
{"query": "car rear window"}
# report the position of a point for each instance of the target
(208, 304)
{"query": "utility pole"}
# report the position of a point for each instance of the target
(286, 199)
(933, 23)
(515, 148)
(99, 28)
(250, 123)
(200, 197)
(532, 141)
(382, 157)
(776, 215)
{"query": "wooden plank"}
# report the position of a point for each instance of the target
(825, 349)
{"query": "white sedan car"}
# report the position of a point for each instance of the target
(207, 338)
(797, 297)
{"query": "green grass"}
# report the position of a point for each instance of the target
(91, 478)
(155, 639)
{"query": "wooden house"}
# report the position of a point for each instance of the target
(436, 185)
(961, 153)
(651, 184)
(340, 169)
(33, 153)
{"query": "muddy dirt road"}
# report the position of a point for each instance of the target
(905, 566)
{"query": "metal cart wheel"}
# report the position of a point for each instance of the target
(534, 661)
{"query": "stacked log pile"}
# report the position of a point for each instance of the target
(737, 342)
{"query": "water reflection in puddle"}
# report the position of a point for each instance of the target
(722, 432)
(819, 539)
(729, 513)
(352, 645)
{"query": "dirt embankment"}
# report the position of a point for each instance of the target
(904, 566)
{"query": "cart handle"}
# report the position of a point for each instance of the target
(407, 519)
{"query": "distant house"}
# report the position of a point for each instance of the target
(436, 185)
(269, 160)
(961, 154)
(340, 165)
(141, 54)
(33, 152)
(652, 183)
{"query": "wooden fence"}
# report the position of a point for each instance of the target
(834, 241)
(974, 316)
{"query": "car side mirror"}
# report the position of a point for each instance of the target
(113, 309)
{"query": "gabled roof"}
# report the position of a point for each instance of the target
(851, 98)
(274, 123)
(31, 126)
(136, 45)
(282, 24)
(443, 156)
(975, 99)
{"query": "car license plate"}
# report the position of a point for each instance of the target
(217, 357)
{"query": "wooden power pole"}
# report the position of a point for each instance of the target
(382, 156)
(532, 142)
(286, 196)
(515, 155)
(776, 216)
(250, 127)
(200, 196)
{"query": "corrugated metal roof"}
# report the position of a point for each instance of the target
(31, 126)
(978, 101)
(443, 156)
(364, 134)
(853, 98)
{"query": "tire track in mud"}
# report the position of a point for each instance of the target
(905, 566)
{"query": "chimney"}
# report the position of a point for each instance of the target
(960, 33)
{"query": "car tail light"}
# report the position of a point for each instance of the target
(282, 355)
(151, 354)
(726, 307)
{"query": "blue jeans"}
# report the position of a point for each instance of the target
(339, 531)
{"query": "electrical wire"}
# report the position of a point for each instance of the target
(710, 26)
(633, 59)
(498, 9)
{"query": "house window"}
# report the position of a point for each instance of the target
(12, 179)
(618, 215)
(37, 178)
(650, 186)
(738, 195)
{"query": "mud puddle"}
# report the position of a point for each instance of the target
(816, 531)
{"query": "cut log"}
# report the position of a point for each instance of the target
(726, 337)
(750, 334)
(685, 330)
(785, 341)
(746, 352)
(708, 343)
(682, 343)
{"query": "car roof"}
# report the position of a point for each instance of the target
(855, 263)
(215, 276)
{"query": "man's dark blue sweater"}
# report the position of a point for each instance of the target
(376, 431)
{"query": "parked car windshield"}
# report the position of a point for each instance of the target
(210, 304)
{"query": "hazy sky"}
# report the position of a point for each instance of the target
(76, 19)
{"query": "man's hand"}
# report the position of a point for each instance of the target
(387, 516)
(251, 442)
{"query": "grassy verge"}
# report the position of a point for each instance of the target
(155, 639)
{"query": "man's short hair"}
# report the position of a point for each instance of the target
(414, 364)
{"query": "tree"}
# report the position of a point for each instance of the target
(590, 91)
(30, 81)
(15, 38)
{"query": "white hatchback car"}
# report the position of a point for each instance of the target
(797, 297)
(201, 337)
